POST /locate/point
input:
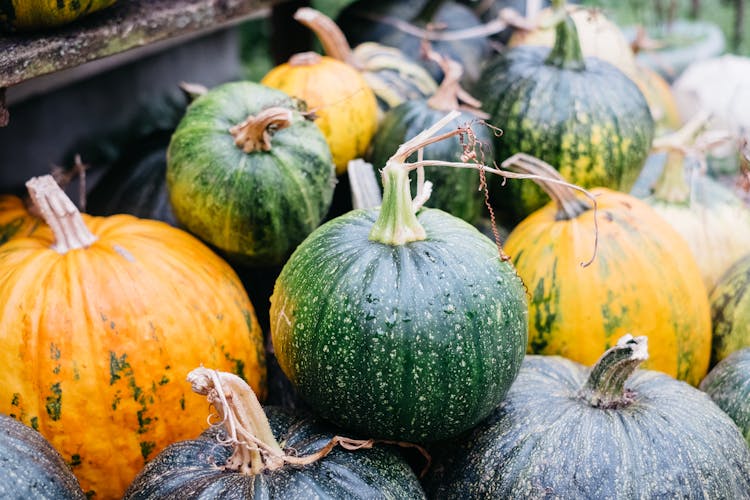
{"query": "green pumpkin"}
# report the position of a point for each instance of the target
(360, 24)
(257, 190)
(213, 466)
(454, 191)
(567, 431)
(31, 467)
(396, 324)
(730, 311)
(728, 384)
(27, 15)
(583, 116)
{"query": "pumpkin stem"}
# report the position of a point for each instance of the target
(450, 95)
(605, 387)
(330, 35)
(566, 53)
(305, 59)
(60, 214)
(254, 134)
(672, 187)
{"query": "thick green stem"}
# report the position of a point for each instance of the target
(672, 187)
(605, 387)
(397, 223)
(566, 53)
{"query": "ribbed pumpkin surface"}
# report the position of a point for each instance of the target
(188, 469)
(728, 384)
(31, 468)
(593, 125)
(25, 15)
(545, 441)
(730, 311)
(15, 219)
(644, 281)
(97, 342)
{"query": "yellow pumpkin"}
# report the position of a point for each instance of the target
(23, 15)
(342, 102)
(103, 319)
(660, 99)
(15, 219)
(644, 280)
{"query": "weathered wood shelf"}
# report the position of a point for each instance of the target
(127, 25)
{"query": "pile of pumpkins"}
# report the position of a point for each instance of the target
(569, 360)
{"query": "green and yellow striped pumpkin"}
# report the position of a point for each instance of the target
(27, 15)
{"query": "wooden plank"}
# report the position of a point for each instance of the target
(127, 25)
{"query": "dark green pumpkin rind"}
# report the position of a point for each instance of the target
(567, 118)
(30, 467)
(188, 469)
(728, 384)
(412, 342)
(454, 190)
(730, 311)
(255, 207)
(543, 441)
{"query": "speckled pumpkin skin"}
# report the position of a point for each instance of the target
(543, 441)
(454, 190)
(730, 311)
(644, 281)
(188, 469)
(412, 342)
(24, 15)
(593, 125)
(97, 342)
(728, 384)
(15, 219)
(31, 468)
(255, 207)
(345, 106)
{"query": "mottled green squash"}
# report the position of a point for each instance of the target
(730, 311)
(396, 324)
(213, 466)
(30, 467)
(372, 21)
(453, 190)
(27, 15)
(583, 116)
(728, 384)
(567, 431)
(247, 173)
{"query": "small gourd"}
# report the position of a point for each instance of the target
(28, 15)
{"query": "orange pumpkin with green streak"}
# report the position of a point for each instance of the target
(643, 280)
(104, 317)
(342, 102)
(15, 219)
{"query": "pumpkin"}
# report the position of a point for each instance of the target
(660, 98)
(383, 21)
(269, 453)
(728, 384)
(31, 467)
(27, 15)
(102, 317)
(730, 308)
(392, 76)
(583, 116)
(15, 219)
(567, 431)
(643, 279)
(340, 99)
(396, 324)
(455, 191)
(247, 173)
(706, 214)
(718, 85)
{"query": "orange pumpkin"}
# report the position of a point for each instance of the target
(103, 319)
(343, 103)
(644, 280)
(15, 219)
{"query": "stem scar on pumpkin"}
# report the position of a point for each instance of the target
(248, 431)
